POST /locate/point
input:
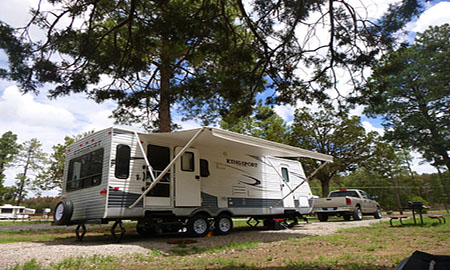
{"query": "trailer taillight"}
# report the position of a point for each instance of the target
(348, 201)
(103, 191)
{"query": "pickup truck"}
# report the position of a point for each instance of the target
(347, 203)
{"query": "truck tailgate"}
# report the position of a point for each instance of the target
(329, 202)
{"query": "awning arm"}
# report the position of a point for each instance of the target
(163, 173)
(292, 191)
(150, 169)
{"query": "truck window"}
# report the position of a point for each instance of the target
(285, 174)
(85, 171)
(123, 155)
(364, 195)
(344, 194)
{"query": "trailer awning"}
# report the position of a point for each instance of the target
(215, 139)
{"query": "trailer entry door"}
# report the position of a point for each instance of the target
(187, 178)
(286, 186)
(158, 157)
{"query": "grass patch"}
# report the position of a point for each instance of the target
(56, 234)
(375, 247)
(20, 223)
(31, 236)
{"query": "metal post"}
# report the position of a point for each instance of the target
(163, 173)
(150, 169)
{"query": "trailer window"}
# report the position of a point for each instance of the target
(204, 168)
(187, 162)
(85, 171)
(122, 170)
(158, 156)
(285, 174)
(7, 211)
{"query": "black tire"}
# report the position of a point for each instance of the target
(357, 214)
(63, 213)
(377, 214)
(322, 217)
(347, 217)
(223, 225)
(198, 226)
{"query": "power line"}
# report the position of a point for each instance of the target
(380, 187)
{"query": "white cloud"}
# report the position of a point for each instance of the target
(24, 109)
(49, 121)
(369, 127)
(285, 111)
(420, 166)
(434, 16)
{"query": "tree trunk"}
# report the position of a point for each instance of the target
(446, 160)
(164, 96)
(21, 185)
(444, 184)
(325, 186)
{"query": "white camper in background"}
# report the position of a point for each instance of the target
(9, 211)
(194, 180)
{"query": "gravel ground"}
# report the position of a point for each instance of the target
(55, 251)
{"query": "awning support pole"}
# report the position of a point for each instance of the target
(292, 191)
(163, 173)
(150, 169)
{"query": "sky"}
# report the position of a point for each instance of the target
(35, 116)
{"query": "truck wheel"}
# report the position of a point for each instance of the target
(377, 214)
(198, 226)
(223, 225)
(357, 214)
(322, 217)
(347, 217)
(63, 212)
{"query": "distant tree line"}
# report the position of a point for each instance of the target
(361, 160)
(39, 171)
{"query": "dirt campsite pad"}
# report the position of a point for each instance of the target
(46, 252)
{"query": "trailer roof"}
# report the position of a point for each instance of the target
(227, 140)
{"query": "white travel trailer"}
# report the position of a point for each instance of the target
(194, 180)
(9, 211)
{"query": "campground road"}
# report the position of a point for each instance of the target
(55, 251)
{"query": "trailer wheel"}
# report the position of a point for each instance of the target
(63, 212)
(198, 226)
(223, 225)
(377, 214)
(357, 214)
(322, 217)
(347, 217)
